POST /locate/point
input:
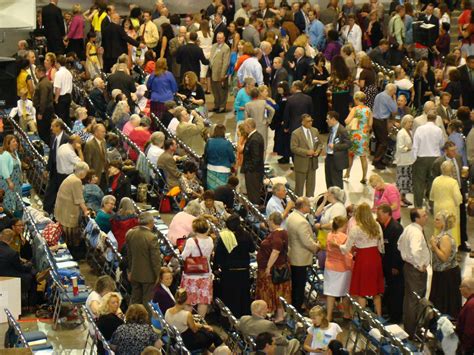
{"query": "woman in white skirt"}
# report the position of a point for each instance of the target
(337, 271)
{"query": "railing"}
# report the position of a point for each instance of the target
(16, 326)
(28, 154)
(97, 332)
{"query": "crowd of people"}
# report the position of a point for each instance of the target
(333, 84)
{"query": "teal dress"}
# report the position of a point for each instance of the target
(360, 136)
(10, 200)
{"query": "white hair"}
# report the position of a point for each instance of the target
(81, 167)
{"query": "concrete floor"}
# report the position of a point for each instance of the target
(71, 341)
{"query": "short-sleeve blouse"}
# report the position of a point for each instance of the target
(276, 240)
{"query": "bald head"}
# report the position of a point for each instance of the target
(259, 308)
(428, 106)
(467, 287)
(182, 30)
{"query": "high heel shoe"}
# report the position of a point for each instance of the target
(363, 181)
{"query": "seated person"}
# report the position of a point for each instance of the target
(126, 218)
(103, 285)
(195, 335)
(321, 332)
(213, 209)
(279, 202)
(189, 183)
(19, 243)
(167, 163)
(162, 293)
(265, 343)
(5, 215)
(155, 149)
(110, 317)
(92, 192)
(11, 265)
(119, 184)
(140, 136)
(191, 89)
(225, 193)
(113, 143)
(256, 323)
(182, 223)
(26, 112)
(105, 213)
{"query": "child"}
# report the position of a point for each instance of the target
(337, 271)
(26, 112)
(93, 64)
(320, 333)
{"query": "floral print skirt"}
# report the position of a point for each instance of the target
(199, 289)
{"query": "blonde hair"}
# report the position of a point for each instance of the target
(405, 120)
(76, 8)
(366, 222)
(375, 179)
(301, 41)
(78, 111)
(360, 96)
(104, 302)
(447, 168)
(448, 218)
(319, 311)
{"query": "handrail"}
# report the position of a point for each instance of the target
(12, 321)
(97, 331)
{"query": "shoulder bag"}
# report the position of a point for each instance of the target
(196, 264)
(281, 274)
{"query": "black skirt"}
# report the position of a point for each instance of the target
(445, 294)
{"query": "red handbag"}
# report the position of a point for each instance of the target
(196, 264)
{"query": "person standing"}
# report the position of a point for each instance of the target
(337, 151)
(95, 154)
(148, 31)
(385, 105)
(43, 102)
(10, 175)
(302, 247)
(261, 111)
(427, 143)
(306, 147)
(144, 260)
(416, 254)
(392, 263)
(219, 63)
(190, 56)
(62, 91)
(297, 104)
(54, 28)
(467, 81)
(75, 35)
(253, 161)
(465, 323)
(404, 158)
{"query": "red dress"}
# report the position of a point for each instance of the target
(139, 137)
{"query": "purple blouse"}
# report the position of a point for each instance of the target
(332, 49)
(76, 28)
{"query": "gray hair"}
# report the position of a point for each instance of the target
(277, 187)
(405, 120)
(157, 138)
(265, 45)
(301, 202)
(249, 81)
(81, 167)
(447, 168)
(390, 87)
(469, 282)
(193, 208)
(338, 193)
(97, 81)
(106, 199)
(119, 111)
(126, 206)
(145, 218)
(250, 122)
(276, 218)
(178, 111)
(428, 106)
(135, 117)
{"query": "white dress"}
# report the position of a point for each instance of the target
(206, 44)
(322, 337)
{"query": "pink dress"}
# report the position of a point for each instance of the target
(181, 225)
(389, 195)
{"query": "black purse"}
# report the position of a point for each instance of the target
(281, 275)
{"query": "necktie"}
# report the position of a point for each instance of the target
(309, 139)
(456, 171)
(447, 114)
(33, 76)
(267, 60)
(24, 113)
(144, 29)
(284, 203)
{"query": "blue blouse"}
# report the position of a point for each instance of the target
(162, 87)
(240, 100)
(220, 152)
(458, 139)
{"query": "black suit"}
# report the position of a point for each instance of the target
(338, 160)
(190, 56)
(260, 14)
(123, 187)
(225, 194)
(393, 271)
(300, 21)
(378, 57)
(296, 105)
(54, 28)
(121, 80)
(98, 100)
(11, 266)
(55, 179)
(265, 65)
(467, 86)
(114, 42)
(277, 77)
(105, 23)
(253, 166)
(301, 68)
(220, 28)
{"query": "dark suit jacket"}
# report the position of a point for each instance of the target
(105, 23)
(278, 76)
(378, 57)
(43, 97)
(162, 298)
(225, 194)
(342, 143)
(220, 28)
(392, 258)
(301, 69)
(268, 14)
(190, 57)
(114, 41)
(123, 189)
(10, 264)
(254, 154)
(53, 23)
(124, 82)
(263, 63)
(52, 153)
(296, 105)
(300, 22)
(98, 100)
(467, 87)
(143, 253)
(436, 170)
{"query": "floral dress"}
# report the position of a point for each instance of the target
(360, 136)
(341, 98)
(10, 201)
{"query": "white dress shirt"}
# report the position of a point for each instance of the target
(428, 141)
(413, 247)
(29, 108)
(63, 81)
(423, 119)
(66, 159)
(251, 67)
(154, 153)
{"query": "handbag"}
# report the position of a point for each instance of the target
(281, 275)
(196, 264)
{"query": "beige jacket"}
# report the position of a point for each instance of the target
(219, 61)
(301, 242)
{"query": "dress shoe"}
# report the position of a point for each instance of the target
(464, 248)
(222, 110)
(283, 161)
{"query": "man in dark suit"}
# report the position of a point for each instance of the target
(444, 109)
(337, 151)
(58, 139)
(12, 266)
(263, 11)
(219, 26)
(114, 42)
(301, 17)
(297, 105)
(43, 102)
(253, 162)
(379, 54)
(191, 56)
(392, 263)
(107, 19)
(279, 74)
(467, 82)
(266, 61)
(450, 153)
(53, 23)
(120, 79)
(300, 65)
(97, 97)
(144, 260)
